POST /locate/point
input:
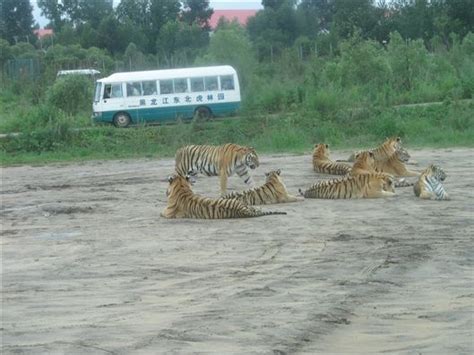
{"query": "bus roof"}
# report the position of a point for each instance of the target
(168, 73)
(78, 72)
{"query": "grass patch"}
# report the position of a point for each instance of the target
(447, 125)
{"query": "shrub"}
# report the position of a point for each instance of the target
(72, 94)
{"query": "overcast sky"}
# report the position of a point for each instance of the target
(215, 4)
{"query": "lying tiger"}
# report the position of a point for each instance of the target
(366, 164)
(429, 184)
(382, 152)
(222, 161)
(273, 191)
(371, 185)
(395, 164)
(183, 203)
(322, 163)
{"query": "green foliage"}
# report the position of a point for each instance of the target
(16, 20)
(230, 45)
(363, 62)
(71, 94)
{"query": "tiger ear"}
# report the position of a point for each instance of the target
(170, 179)
(371, 154)
(266, 174)
(327, 146)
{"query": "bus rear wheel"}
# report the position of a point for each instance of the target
(203, 113)
(121, 120)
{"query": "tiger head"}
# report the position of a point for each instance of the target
(178, 183)
(403, 154)
(364, 160)
(393, 142)
(437, 172)
(273, 175)
(321, 151)
(251, 158)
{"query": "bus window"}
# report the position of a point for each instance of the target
(197, 84)
(149, 87)
(211, 83)
(112, 91)
(134, 89)
(180, 85)
(227, 82)
(166, 87)
(117, 90)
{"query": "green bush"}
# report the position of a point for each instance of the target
(72, 94)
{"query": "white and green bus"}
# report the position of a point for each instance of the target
(164, 95)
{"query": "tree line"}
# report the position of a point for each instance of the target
(178, 31)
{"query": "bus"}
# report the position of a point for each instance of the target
(162, 96)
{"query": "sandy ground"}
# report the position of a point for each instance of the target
(88, 266)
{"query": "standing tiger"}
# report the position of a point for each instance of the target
(322, 163)
(429, 184)
(383, 151)
(222, 161)
(273, 191)
(183, 203)
(360, 186)
(395, 164)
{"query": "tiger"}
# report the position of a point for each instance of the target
(429, 184)
(395, 164)
(183, 203)
(383, 151)
(222, 161)
(366, 164)
(273, 191)
(322, 163)
(371, 185)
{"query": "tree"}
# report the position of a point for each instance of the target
(148, 16)
(231, 45)
(53, 11)
(317, 15)
(197, 11)
(272, 29)
(75, 12)
(90, 11)
(179, 43)
(350, 15)
(16, 21)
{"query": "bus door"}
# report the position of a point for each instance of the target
(113, 98)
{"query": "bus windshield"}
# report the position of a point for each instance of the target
(98, 87)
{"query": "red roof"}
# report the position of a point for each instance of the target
(43, 32)
(241, 16)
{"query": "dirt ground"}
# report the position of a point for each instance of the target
(88, 266)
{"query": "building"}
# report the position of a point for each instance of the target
(241, 15)
(41, 33)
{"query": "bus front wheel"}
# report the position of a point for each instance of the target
(203, 113)
(121, 120)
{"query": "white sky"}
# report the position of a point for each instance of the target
(215, 4)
